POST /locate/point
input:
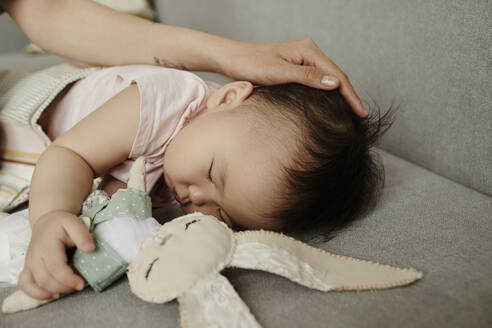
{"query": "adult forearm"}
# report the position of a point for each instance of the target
(61, 181)
(183, 48)
(86, 31)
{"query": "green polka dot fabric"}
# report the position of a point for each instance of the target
(104, 266)
(131, 202)
(101, 267)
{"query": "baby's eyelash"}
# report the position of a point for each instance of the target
(232, 225)
(210, 171)
(210, 177)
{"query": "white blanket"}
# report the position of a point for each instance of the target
(124, 234)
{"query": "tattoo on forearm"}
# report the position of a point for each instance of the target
(165, 63)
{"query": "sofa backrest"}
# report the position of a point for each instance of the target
(430, 57)
(11, 36)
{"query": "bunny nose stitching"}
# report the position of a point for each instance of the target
(166, 238)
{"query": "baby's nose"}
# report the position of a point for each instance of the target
(201, 201)
(197, 196)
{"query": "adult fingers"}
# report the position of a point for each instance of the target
(313, 77)
(348, 93)
(313, 56)
(29, 286)
(318, 78)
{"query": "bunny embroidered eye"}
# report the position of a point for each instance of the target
(150, 268)
(191, 222)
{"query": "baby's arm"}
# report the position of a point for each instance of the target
(62, 180)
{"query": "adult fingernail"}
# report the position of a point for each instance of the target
(80, 286)
(363, 110)
(329, 81)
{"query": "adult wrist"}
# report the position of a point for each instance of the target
(226, 54)
(184, 48)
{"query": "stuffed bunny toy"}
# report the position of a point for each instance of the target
(184, 257)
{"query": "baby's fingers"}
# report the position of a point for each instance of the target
(44, 279)
(28, 286)
(57, 266)
(79, 235)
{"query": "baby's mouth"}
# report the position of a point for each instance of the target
(172, 189)
(178, 199)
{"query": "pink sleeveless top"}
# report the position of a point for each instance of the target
(169, 99)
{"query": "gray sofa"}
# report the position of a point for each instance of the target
(435, 214)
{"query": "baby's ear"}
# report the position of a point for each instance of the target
(232, 94)
(20, 301)
(314, 267)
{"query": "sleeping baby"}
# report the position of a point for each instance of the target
(282, 158)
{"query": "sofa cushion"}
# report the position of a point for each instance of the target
(423, 221)
(28, 63)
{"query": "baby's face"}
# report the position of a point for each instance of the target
(220, 166)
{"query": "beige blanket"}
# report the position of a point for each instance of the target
(23, 97)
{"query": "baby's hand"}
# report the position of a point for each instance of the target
(46, 273)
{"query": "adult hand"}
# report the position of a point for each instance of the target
(300, 61)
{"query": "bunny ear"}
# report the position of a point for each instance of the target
(214, 303)
(314, 267)
(19, 301)
(137, 174)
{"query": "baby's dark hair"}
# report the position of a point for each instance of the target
(334, 178)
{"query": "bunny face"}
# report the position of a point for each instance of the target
(182, 253)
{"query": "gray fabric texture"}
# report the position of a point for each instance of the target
(12, 38)
(28, 63)
(430, 57)
(423, 221)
